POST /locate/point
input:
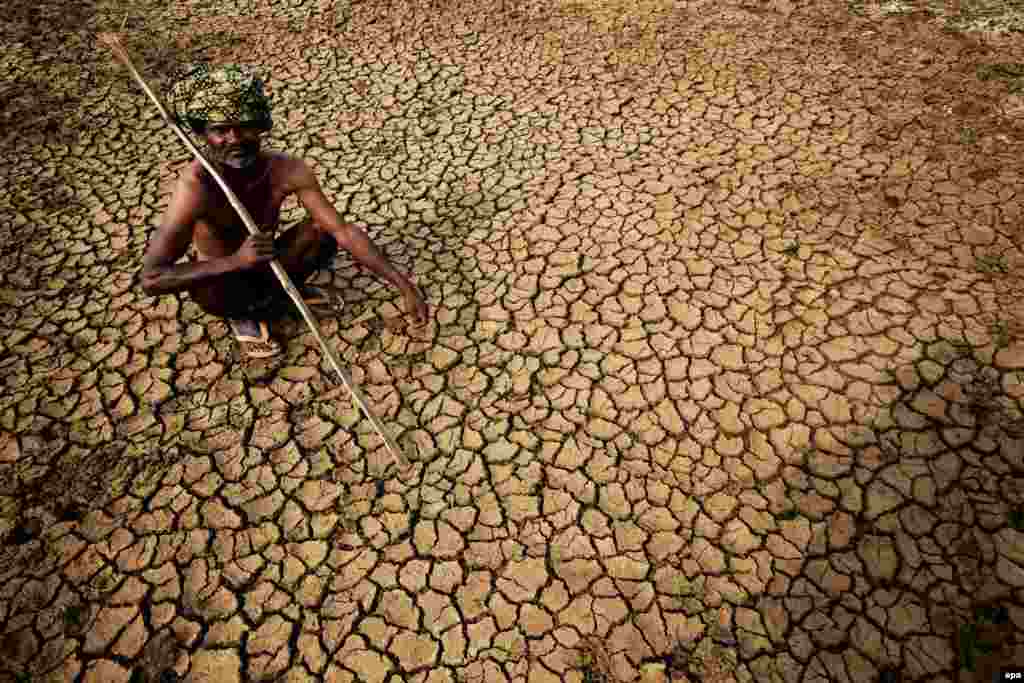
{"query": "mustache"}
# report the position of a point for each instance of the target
(239, 155)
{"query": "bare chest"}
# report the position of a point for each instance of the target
(220, 231)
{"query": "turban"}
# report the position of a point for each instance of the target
(232, 93)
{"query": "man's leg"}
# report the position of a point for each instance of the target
(305, 249)
(237, 298)
(230, 296)
(302, 250)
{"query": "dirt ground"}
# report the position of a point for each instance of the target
(724, 381)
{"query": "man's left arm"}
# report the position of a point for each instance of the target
(353, 239)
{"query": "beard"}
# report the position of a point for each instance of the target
(240, 156)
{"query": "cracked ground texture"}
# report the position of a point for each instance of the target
(725, 366)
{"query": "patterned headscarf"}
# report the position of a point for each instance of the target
(202, 95)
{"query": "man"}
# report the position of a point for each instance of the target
(229, 274)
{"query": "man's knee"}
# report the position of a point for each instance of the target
(327, 249)
(309, 250)
(233, 297)
(215, 301)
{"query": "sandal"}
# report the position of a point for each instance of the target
(263, 346)
(316, 297)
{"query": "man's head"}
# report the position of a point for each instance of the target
(227, 106)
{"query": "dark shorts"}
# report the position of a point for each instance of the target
(257, 290)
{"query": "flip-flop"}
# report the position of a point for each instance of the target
(263, 346)
(316, 297)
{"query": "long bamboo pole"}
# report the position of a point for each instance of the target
(113, 41)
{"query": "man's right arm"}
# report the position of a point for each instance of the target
(161, 274)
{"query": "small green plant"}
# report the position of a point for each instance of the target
(791, 249)
(968, 135)
(972, 641)
(971, 646)
(788, 514)
(73, 617)
(594, 661)
(103, 581)
(1016, 518)
(1012, 74)
(677, 661)
(23, 677)
(991, 263)
(711, 660)
(681, 586)
(1000, 334)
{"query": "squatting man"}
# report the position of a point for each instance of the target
(228, 273)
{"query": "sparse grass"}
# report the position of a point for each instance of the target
(1012, 74)
(1004, 16)
(895, 8)
(711, 662)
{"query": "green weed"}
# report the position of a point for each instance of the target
(681, 586)
(1012, 74)
(73, 616)
(1016, 518)
(678, 659)
(594, 661)
(971, 646)
(1000, 334)
(971, 643)
(788, 514)
(991, 264)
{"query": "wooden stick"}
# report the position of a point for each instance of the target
(113, 42)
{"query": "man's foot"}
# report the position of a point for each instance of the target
(254, 338)
(315, 297)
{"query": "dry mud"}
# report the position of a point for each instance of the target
(724, 381)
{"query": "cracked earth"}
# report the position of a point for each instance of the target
(726, 366)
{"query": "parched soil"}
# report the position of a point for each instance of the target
(724, 380)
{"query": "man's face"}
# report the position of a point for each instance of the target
(233, 144)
